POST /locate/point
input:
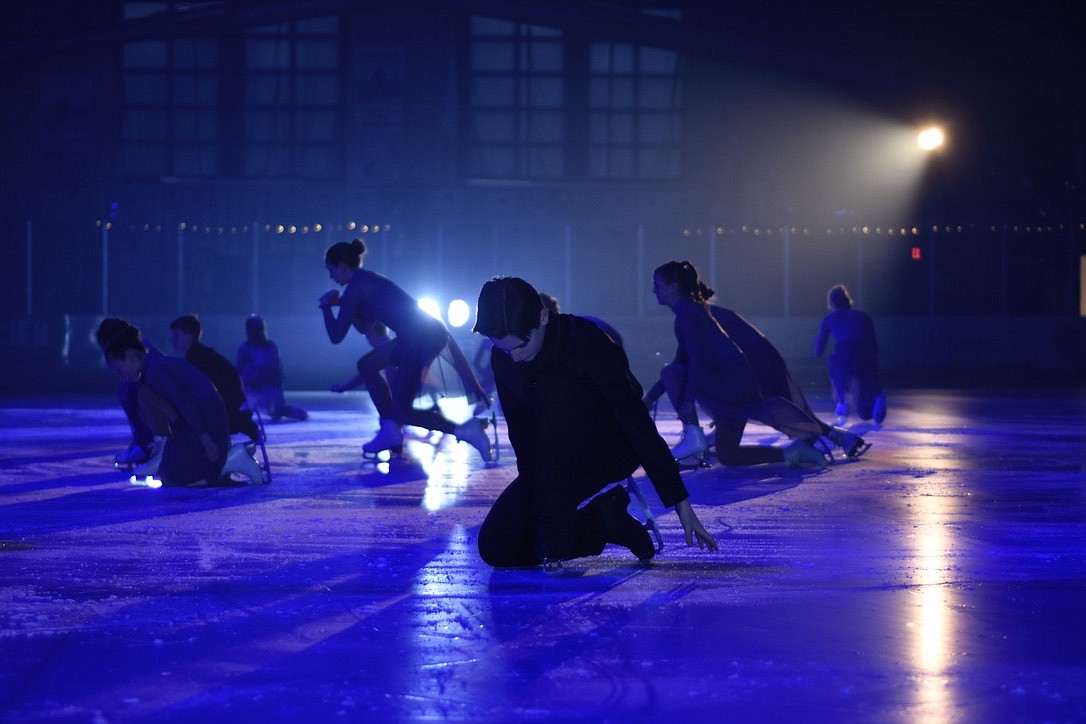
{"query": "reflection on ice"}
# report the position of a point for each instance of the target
(933, 620)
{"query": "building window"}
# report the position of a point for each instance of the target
(293, 100)
(635, 112)
(170, 122)
(516, 101)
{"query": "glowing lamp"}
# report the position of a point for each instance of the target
(459, 312)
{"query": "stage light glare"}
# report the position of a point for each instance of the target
(459, 312)
(430, 306)
(930, 138)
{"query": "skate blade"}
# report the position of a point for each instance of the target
(382, 456)
(693, 462)
(650, 520)
(859, 450)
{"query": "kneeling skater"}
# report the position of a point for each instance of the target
(577, 424)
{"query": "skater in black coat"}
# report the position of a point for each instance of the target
(577, 424)
(185, 334)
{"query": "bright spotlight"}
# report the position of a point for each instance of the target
(930, 138)
(459, 312)
(430, 306)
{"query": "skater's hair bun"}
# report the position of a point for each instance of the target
(838, 298)
(507, 306)
(126, 339)
(685, 275)
(109, 329)
(346, 252)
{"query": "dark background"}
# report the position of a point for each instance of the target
(759, 143)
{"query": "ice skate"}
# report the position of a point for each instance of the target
(621, 528)
(842, 414)
(389, 437)
(650, 520)
(692, 448)
(151, 465)
(851, 444)
(134, 455)
(473, 432)
(241, 459)
(799, 454)
(880, 408)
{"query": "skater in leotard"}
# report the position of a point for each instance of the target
(854, 358)
(142, 447)
(178, 402)
(371, 301)
(771, 374)
(261, 372)
(576, 423)
(712, 370)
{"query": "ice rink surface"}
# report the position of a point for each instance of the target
(940, 578)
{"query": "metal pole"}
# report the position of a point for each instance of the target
(29, 268)
(568, 292)
(931, 274)
(787, 250)
(640, 270)
(440, 259)
(105, 267)
(1003, 272)
(712, 257)
(860, 269)
(256, 270)
(180, 268)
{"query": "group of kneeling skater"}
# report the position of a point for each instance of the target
(579, 422)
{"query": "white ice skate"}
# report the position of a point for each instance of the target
(799, 454)
(151, 466)
(851, 444)
(389, 437)
(241, 459)
(692, 448)
(473, 432)
(842, 414)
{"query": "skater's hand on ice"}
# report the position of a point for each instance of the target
(692, 527)
(329, 299)
(210, 448)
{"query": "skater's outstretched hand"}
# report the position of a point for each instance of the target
(692, 527)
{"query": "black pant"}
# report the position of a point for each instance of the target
(580, 449)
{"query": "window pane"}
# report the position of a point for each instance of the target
(322, 90)
(658, 128)
(545, 57)
(487, 56)
(494, 127)
(315, 126)
(544, 162)
(317, 54)
(654, 60)
(543, 93)
(327, 25)
(492, 92)
(146, 54)
(195, 53)
(144, 125)
(267, 89)
(490, 26)
(267, 54)
(145, 89)
(659, 94)
(545, 128)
